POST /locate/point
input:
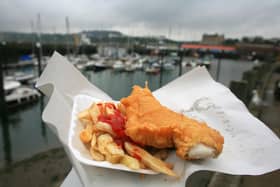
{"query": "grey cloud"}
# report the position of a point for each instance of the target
(188, 18)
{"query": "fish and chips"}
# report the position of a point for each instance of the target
(120, 133)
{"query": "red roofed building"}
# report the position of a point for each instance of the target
(208, 47)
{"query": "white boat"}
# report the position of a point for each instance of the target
(156, 65)
(81, 66)
(100, 65)
(95, 56)
(11, 85)
(118, 66)
(143, 60)
(184, 63)
(16, 94)
(88, 65)
(20, 76)
(191, 63)
(152, 70)
(23, 77)
(21, 95)
(168, 66)
(139, 65)
(130, 68)
(206, 63)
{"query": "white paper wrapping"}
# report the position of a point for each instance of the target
(250, 147)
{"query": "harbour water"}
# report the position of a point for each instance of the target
(23, 133)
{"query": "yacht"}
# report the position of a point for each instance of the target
(206, 63)
(139, 65)
(20, 77)
(23, 77)
(118, 66)
(191, 63)
(81, 66)
(16, 94)
(168, 66)
(100, 65)
(155, 65)
(152, 70)
(10, 85)
(88, 65)
(130, 68)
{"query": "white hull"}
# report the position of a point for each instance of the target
(22, 95)
(152, 70)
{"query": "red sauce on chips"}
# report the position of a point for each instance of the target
(116, 120)
(137, 156)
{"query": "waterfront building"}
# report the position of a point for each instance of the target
(213, 39)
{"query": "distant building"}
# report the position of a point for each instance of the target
(212, 39)
(112, 51)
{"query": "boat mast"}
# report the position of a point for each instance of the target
(39, 44)
(32, 36)
(2, 94)
(3, 111)
(67, 35)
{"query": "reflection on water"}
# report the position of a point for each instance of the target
(43, 125)
(23, 133)
(6, 139)
(118, 84)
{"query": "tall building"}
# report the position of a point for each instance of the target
(213, 39)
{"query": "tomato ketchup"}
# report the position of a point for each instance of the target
(116, 120)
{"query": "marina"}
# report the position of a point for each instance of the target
(27, 119)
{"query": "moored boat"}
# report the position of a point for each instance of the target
(130, 68)
(21, 95)
(16, 94)
(152, 70)
(168, 66)
(23, 77)
(11, 85)
(100, 65)
(118, 66)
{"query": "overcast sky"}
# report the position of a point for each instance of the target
(178, 19)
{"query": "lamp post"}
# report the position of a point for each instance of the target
(181, 56)
(39, 56)
(161, 53)
(2, 91)
(3, 112)
(219, 65)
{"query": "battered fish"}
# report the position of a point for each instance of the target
(150, 123)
